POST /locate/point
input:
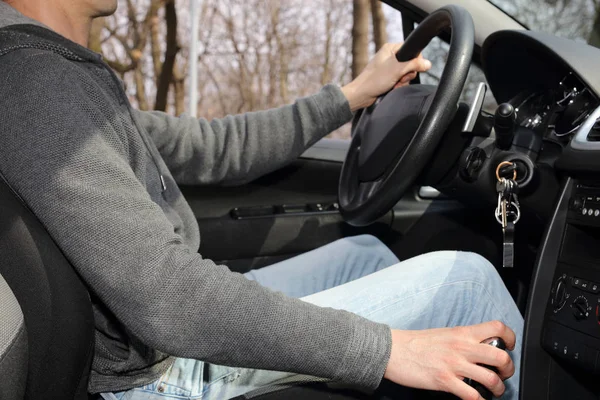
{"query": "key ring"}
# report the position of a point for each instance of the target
(505, 164)
(498, 213)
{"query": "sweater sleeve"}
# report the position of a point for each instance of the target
(61, 152)
(240, 148)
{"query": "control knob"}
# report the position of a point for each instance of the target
(482, 390)
(577, 204)
(580, 308)
(559, 294)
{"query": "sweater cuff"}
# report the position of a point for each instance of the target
(367, 355)
(333, 107)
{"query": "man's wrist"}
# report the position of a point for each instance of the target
(355, 98)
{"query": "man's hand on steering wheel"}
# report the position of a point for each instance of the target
(383, 73)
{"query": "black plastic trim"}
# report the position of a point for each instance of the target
(579, 163)
(536, 362)
(514, 61)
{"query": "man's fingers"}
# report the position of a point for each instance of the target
(465, 392)
(494, 329)
(484, 376)
(488, 355)
(409, 70)
(408, 77)
(418, 64)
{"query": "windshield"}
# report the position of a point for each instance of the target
(572, 19)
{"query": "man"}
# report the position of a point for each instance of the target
(103, 177)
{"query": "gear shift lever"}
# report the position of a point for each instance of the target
(483, 391)
(505, 122)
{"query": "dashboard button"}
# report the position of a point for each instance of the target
(584, 211)
(585, 285)
(577, 353)
(577, 282)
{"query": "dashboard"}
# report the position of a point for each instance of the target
(553, 83)
(554, 86)
(556, 112)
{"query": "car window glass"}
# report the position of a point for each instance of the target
(573, 19)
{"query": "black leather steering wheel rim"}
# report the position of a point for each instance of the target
(362, 203)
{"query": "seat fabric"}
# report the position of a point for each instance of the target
(55, 305)
(13, 345)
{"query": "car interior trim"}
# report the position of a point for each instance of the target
(580, 140)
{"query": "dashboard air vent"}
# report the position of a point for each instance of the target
(594, 135)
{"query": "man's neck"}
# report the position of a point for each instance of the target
(65, 22)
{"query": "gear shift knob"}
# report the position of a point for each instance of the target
(505, 122)
(483, 391)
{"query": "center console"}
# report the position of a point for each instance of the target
(561, 344)
(571, 331)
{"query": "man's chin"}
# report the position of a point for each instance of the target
(106, 12)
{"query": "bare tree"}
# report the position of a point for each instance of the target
(254, 54)
(360, 36)
(172, 48)
(379, 24)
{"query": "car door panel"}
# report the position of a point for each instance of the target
(416, 225)
(292, 228)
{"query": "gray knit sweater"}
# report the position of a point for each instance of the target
(103, 178)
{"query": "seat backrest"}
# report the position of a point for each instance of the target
(13, 345)
(55, 305)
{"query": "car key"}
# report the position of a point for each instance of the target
(507, 211)
(513, 214)
(482, 390)
(501, 207)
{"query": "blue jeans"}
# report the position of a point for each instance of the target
(361, 275)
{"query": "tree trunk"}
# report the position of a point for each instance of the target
(283, 72)
(155, 37)
(166, 73)
(326, 74)
(360, 36)
(179, 89)
(272, 46)
(379, 24)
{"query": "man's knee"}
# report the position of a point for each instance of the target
(457, 265)
(478, 267)
(366, 244)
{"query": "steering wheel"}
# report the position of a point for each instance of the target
(394, 139)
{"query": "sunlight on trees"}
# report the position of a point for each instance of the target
(254, 54)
